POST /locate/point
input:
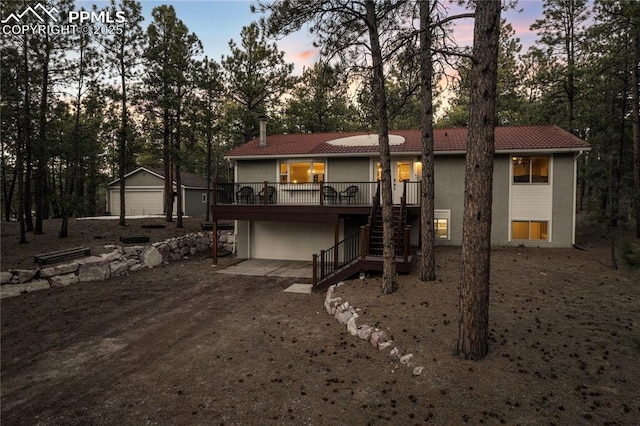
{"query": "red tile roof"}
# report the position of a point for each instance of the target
(508, 139)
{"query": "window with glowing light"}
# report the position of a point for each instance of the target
(302, 172)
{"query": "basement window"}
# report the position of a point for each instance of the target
(529, 230)
(441, 224)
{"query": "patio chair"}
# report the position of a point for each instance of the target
(329, 194)
(349, 194)
(245, 195)
(269, 193)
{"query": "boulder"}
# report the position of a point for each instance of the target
(63, 280)
(378, 337)
(5, 277)
(24, 275)
(66, 268)
(93, 268)
(11, 290)
(364, 332)
(151, 257)
(118, 268)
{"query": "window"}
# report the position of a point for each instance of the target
(301, 172)
(204, 197)
(441, 224)
(441, 227)
(529, 230)
(530, 169)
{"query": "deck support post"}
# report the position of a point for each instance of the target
(315, 270)
(214, 242)
(407, 243)
(363, 241)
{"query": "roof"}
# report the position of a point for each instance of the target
(189, 180)
(446, 140)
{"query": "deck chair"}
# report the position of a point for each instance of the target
(349, 194)
(329, 194)
(269, 193)
(245, 195)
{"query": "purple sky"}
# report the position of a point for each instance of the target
(218, 21)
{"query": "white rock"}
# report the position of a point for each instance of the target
(352, 327)
(405, 360)
(93, 268)
(151, 257)
(395, 352)
(417, 371)
(364, 332)
(385, 345)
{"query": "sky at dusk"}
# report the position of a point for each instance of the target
(216, 22)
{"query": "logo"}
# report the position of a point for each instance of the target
(32, 11)
(38, 20)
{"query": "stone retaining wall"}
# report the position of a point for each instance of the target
(119, 261)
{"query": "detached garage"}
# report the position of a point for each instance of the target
(144, 193)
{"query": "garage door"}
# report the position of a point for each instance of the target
(289, 240)
(137, 202)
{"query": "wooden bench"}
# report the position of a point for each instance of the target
(135, 239)
(206, 226)
(59, 256)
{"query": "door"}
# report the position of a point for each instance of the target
(401, 170)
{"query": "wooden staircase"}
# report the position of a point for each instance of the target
(327, 270)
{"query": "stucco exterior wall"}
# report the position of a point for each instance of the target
(348, 170)
(257, 171)
(563, 200)
(449, 193)
(500, 205)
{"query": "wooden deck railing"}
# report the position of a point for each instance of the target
(312, 193)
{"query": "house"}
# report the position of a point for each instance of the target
(290, 197)
(144, 193)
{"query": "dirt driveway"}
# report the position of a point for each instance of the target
(181, 344)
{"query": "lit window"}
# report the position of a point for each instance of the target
(441, 227)
(301, 172)
(529, 230)
(530, 169)
(441, 224)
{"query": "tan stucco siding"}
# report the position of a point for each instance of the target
(563, 208)
(449, 193)
(257, 171)
(348, 170)
(500, 204)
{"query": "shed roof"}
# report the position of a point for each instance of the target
(189, 180)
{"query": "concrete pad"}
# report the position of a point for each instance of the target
(270, 268)
(299, 288)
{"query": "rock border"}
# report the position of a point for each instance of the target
(119, 261)
(347, 315)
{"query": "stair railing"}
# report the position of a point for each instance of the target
(331, 260)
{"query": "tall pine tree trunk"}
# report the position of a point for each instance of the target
(473, 330)
(389, 282)
(635, 118)
(124, 133)
(428, 257)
